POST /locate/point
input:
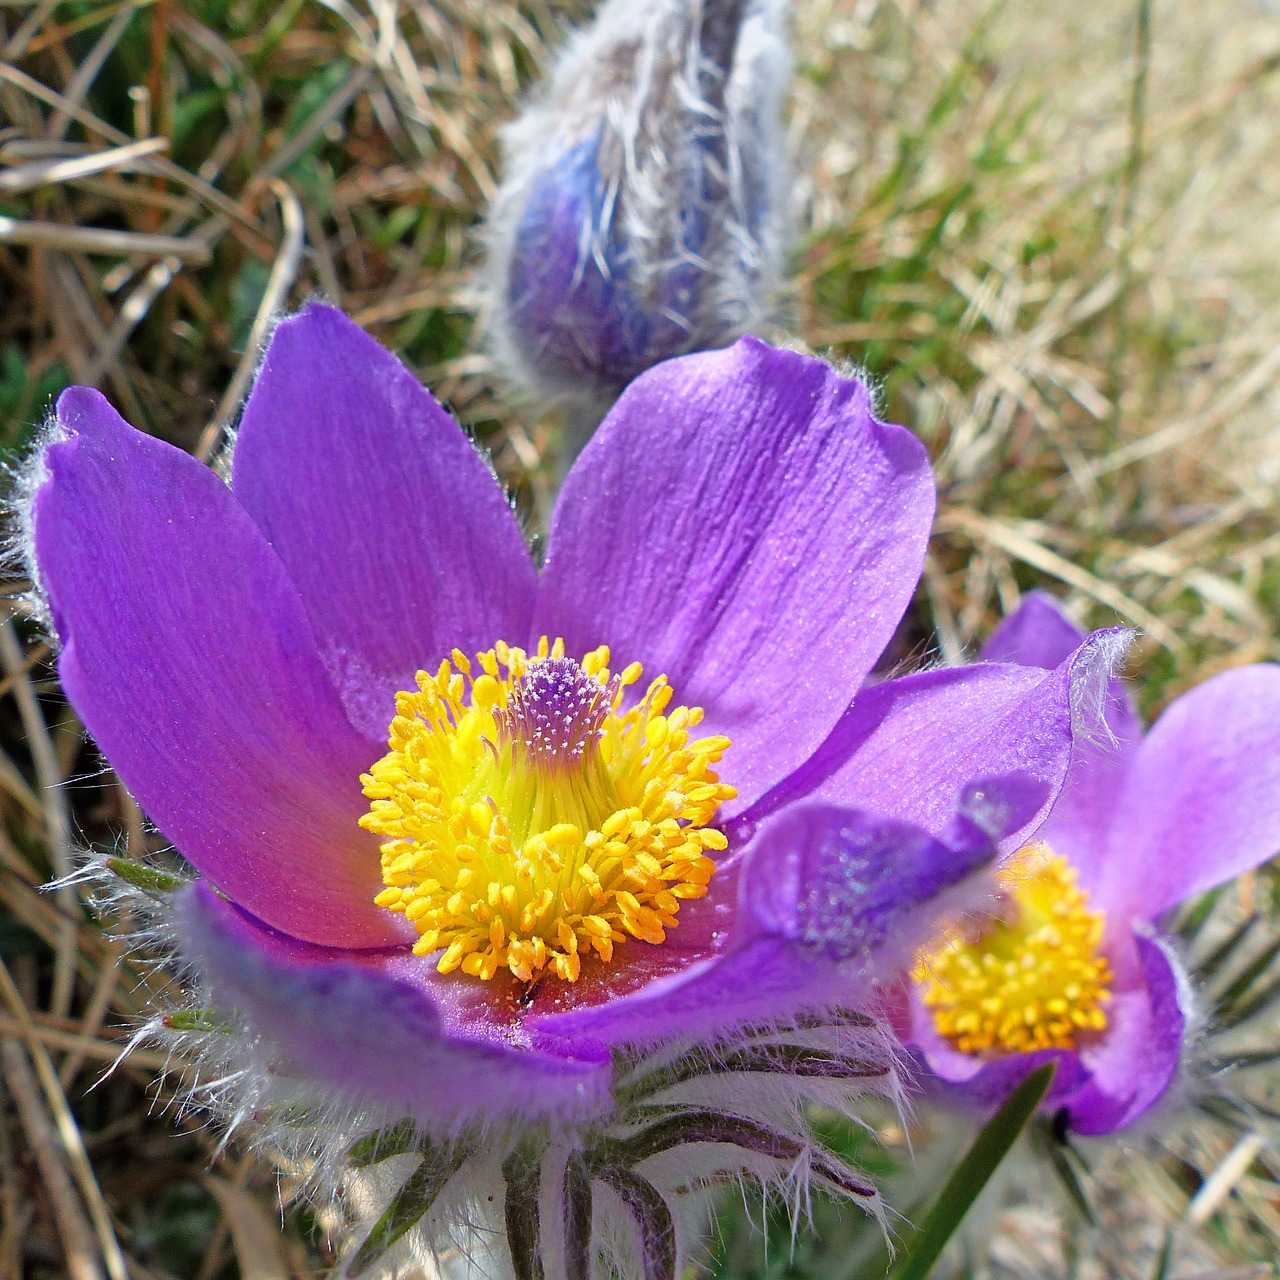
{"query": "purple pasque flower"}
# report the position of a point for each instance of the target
(1072, 964)
(455, 871)
(644, 208)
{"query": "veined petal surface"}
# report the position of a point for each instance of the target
(187, 653)
(1039, 634)
(1200, 801)
(831, 900)
(907, 748)
(394, 530)
(742, 523)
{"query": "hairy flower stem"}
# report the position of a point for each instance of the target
(523, 1173)
(652, 1218)
(577, 1219)
(384, 1144)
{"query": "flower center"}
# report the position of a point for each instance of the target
(529, 820)
(1033, 979)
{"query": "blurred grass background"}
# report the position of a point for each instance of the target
(1049, 235)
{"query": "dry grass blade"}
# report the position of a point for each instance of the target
(255, 1234)
(998, 533)
(46, 172)
(104, 994)
(90, 66)
(56, 815)
(82, 1257)
(215, 198)
(85, 1046)
(367, 131)
(1013, 218)
(1036, 226)
(283, 273)
(1234, 1273)
(1261, 378)
(68, 1131)
(54, 235)
(1220, 1183)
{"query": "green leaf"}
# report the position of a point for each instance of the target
(142, 876)
(385, 1144)
(1193, 916)
(410, 1203)
(972, 1174)
(1166, 1257)
(1060, 1157)
(196, 1020)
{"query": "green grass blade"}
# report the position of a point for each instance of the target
(972, 1174)
(1166, 1257)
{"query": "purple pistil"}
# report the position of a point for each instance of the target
(555, 712)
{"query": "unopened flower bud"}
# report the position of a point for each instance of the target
(643, 212)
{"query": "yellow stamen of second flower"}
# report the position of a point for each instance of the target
(1032, 979)
(529, 820)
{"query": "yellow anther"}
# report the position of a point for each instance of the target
(510, 849)
(485, 691)
(1033, 978)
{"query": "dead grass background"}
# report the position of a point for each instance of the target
(1049, 233)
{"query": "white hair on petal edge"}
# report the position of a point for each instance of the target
(22, 481)
(1101, 659)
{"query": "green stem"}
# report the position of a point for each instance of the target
(972, 1174)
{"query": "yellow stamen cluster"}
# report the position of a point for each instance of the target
(529, 820)
(1033, 979)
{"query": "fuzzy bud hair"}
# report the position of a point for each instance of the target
(643, 213)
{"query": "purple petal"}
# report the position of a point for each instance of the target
(848, 886)
(764, 979)
(387, 1028)
(987, 1084)
(742, 523)
(1135, 1061)
(1039, 634)
(703, 932)
(1080, 825)
(832, 902)
(908, 747)
(1036, 634)
(393, 529)
(186, 651)
(1201, 798)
